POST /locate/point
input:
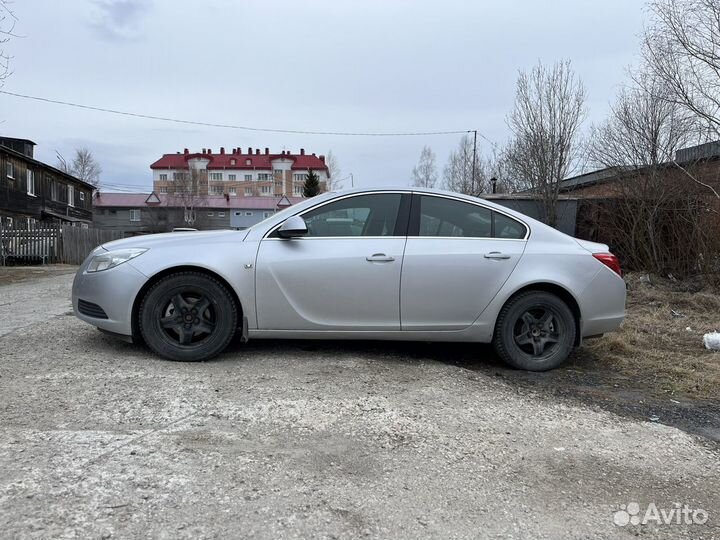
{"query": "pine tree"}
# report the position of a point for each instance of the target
(312, 185)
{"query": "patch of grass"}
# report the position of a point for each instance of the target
(661, 342)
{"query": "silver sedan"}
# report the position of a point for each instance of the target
(400, 264)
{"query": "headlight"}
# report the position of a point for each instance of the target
(111, 259)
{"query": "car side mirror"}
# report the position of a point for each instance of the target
(293, 227)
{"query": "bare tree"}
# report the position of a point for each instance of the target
(190, 194)
(545, 123)
(497, 170)
(7, 31)
(682, 47)
(652, 211)
(334, 181)
(83, 166)
(424, 174)
(458, 172)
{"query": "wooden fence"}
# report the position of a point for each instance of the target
(47, 243)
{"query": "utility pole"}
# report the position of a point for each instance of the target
(473, 163)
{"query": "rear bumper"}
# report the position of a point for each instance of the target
(602, 304)
(114, 291)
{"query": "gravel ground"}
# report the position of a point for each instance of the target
(99, 438)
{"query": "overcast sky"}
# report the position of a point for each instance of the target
(322, 65)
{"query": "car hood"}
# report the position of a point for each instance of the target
(173, 238)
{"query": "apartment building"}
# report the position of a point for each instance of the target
(142, 213)
(237, 173)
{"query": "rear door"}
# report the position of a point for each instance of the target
(457, 257)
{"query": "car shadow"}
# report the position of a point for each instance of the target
(583, 379)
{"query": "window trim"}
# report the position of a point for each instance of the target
(404, 212)
(414, 225)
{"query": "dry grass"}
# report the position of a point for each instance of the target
(22, 274)
(662, 350)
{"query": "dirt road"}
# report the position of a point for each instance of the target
(100, 438)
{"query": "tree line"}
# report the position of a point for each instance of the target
(662, 214)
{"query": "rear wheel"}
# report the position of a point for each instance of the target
(535, 331)
(188, 316)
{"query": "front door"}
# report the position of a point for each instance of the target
(458, 256)
(344, 275)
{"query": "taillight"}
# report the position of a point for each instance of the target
(609, 260)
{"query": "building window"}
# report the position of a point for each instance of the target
(233, 162)
(297, 190)
(248, 213)
(265, 190)
(10, 170)
(82, 195)
(211, 214)
(221, 214)
(216, 190)
(135, 215)
(179, 176)
(248, 192)
(267, 214)
(248, 162)
(30, 182)
(299, 177)
(215, 176)
(263, 176)
(163, 176)
(233, 191)
(71, 196)
(163, 190)
(232, 177)
(277, 172)
(248, 177)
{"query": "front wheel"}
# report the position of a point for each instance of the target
(188, 316)
(535, 331)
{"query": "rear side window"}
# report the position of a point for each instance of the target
(452, 218)
(506, 227)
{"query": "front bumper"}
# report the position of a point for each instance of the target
(112, 290)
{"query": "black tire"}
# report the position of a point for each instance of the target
(535, 331)
(204, 326)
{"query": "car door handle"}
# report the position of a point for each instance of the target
(496, 255)
(379, 257)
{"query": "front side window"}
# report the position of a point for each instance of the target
(364, 215)
(453, 218)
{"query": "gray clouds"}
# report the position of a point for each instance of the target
(375, 65)
(117, 19)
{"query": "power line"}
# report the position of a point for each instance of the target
(231, 126)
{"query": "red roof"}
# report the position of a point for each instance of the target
(223, 160)
(139, 200)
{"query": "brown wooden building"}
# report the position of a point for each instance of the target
(32, 191)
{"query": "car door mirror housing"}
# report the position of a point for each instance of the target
(293, 227)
